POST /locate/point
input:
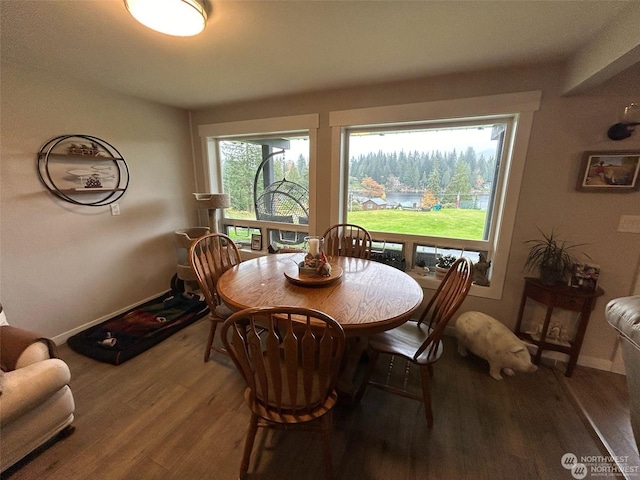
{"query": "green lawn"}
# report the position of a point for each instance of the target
(448, 222)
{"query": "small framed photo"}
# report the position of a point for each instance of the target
(256, 242)
(615, 171)
(585, 276)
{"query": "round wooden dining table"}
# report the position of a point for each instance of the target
(366, 298)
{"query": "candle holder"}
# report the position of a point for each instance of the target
(315, 261)
(314, 245)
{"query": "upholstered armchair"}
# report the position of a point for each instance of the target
(36, 403)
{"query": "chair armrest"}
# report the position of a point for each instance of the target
(36, 352)
(19, 347)
(25, 388)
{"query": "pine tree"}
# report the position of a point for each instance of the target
(459, 184)
(240, 162)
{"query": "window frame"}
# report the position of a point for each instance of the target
(519, 107)
(210, 134)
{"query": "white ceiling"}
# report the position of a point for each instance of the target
(256, 49)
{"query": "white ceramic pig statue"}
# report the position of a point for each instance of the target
(492, 340)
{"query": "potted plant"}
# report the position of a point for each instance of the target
(421, 266)
(551, 256)
(443, 265)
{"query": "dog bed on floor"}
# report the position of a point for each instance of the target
(123, 337)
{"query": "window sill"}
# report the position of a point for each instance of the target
(246, 253)
(425, 281)
(429, 281)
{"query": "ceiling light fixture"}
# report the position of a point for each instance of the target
(181, 18)
(630, 120)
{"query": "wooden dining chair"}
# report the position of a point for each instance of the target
(210, 256)
(420, 342)
(289, 358)
(347, 240)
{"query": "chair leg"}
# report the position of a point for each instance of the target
(373, 359)
(426, 394)
(248, 445)
(327, 426)
(212, 333)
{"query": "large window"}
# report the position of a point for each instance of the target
(265, 166)
(267, 179)
(435, 179)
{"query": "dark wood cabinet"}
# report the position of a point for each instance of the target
(558, 296)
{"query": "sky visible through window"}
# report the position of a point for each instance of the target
(444, 140)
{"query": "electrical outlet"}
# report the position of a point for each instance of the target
(115, 209)
(629, 223)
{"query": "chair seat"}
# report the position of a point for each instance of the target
(289, 415)
(405, 340)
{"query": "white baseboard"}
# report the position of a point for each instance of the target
(62, 338)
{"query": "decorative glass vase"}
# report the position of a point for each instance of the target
(314, 258)
(314, 245)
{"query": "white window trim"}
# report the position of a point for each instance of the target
(209, 133)
(521, 106)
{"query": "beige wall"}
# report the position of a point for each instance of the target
(563, 129)
(63, 266)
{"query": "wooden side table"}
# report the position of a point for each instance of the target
(558, 296)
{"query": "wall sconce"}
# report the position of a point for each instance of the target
(630, 120)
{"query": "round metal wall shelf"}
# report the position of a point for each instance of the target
(83, 169)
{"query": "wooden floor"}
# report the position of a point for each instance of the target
(167, 415)
(603, 400)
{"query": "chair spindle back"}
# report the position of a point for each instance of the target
(446, 300)
(347, 240)
(294, 364)
(210, 256)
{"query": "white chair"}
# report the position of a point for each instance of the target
(36, 403)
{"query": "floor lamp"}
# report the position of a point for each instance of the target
(213, 202)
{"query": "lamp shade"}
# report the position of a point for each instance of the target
(182, 18)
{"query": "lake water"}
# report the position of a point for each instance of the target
(394, 198)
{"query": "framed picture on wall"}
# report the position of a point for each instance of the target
(614, 171)
(256, 242)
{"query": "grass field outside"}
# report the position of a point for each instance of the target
(467, 224)
(448, 223)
